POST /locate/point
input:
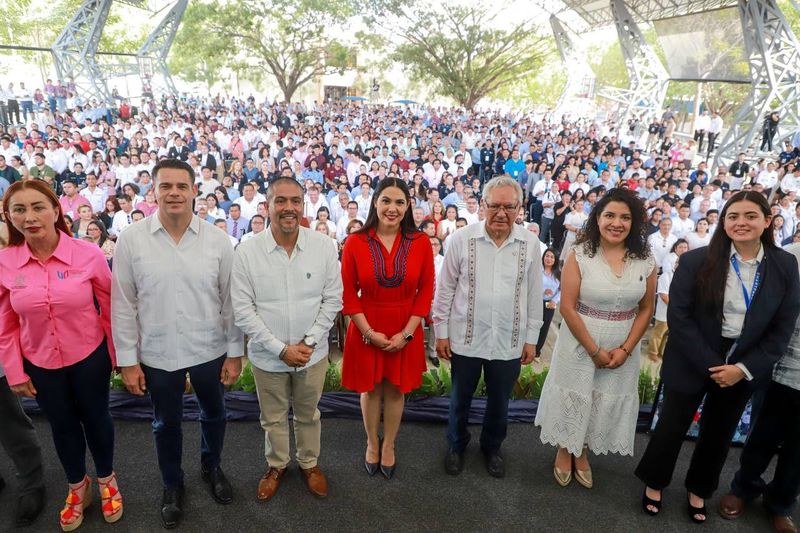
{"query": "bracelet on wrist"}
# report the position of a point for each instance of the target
(283, 352)
(367, 336)
(624, 349)
(595, 353)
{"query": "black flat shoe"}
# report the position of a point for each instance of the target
(172, 507)
(453, 462)
(220, 486)
(29, 506)
(694, 511)
(388, 471)
(647, 502)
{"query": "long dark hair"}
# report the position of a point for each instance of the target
(713, 274)
(407, 227)
(556, 270)
(635, 243)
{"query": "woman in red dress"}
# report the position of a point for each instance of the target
(387, 271)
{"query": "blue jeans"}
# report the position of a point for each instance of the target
(776, 432)
(500, 377)
(166, 393)
(75, 401)
(27, 107)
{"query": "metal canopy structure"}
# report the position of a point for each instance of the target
(598, 13)
(581, 81)
(772, 48)
(75, 50)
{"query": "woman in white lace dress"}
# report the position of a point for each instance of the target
(590, 398)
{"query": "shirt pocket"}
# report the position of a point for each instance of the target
(150, 278)
(152, 339)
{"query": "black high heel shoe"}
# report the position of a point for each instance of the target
(648, 502)
(694, 511)
(387, 471)
(372, 468)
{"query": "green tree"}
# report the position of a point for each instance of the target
(461, 50)
(293, 40)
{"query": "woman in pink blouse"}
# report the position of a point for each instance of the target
(149, 205)
(54, 344)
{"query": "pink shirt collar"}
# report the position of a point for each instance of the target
(63, 251)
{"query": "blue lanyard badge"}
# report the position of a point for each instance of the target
(756, 281)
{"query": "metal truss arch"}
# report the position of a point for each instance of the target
(648, 77)
(581, 79)
(774, 55)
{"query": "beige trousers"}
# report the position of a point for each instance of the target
(303, 389)
(656, 339)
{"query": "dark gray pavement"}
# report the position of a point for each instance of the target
(421, 497)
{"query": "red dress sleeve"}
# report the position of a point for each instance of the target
(424, 297)
(350, 298)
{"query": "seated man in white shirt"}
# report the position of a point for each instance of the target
(313, 201)
(351, 214)
(682, 224)
(249, 200)
(257, 225)
(471, 212)
(480, 321)
(122, 218)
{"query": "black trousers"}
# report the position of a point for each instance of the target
(19, 440)
(721, 413)
(699, 135)
(776, 432)
(500, 377)
(547, 315)
(75, 401)
(712, 139)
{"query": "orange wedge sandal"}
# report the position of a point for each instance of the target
(71, 516)
(111, 498)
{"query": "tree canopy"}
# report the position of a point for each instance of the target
(293, 40)
(463, 52)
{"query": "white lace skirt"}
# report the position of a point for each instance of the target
(582, 405)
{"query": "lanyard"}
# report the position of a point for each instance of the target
(756, 282)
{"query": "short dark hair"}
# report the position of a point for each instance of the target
(175, 164)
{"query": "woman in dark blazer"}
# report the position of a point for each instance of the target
(732, 310)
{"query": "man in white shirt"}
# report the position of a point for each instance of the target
(126, 173)
(287, 317)
(714, 129)
(350, 214)
(487, 314)
(257, 225)
(470, 214)
(94, 194)
(682, 224)
(171, 313)
(56, 157)
(249, 200)
(312, 203)
(122, 218)
(208, 184)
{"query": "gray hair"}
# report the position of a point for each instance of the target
(502, 181)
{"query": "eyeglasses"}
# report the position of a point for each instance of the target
(494, 208)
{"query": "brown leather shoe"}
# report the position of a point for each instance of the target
(731, 507)
(268, 485)
(783, 524)
(316, 482)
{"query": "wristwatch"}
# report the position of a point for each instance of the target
(309, 341)
(408, 336)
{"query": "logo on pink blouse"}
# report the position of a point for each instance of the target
(19, 282)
